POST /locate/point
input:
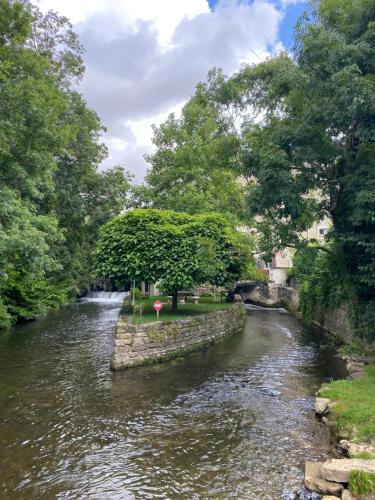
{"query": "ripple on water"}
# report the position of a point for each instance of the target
(231, 421)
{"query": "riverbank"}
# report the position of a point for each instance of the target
(347, 407)
(353, 414)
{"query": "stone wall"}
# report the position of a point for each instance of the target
(288, 297)
(268, 294)
(256, 292)
(151, 342)
(335, 322)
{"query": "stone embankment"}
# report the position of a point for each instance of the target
(356, 365)
(336, 322)
(331, 478)
(139, 344)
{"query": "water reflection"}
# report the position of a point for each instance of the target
(231, 421)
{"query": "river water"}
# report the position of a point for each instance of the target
(232, 421)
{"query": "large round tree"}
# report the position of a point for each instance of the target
(175, 249)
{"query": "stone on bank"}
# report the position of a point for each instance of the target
(314, 481)
(339, 469)
(139, 344)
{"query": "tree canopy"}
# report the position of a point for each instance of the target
(52, 198)
(193, 167)
(299, 128)
(311, 151)
(173, 249)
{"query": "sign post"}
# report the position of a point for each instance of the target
(157, 306)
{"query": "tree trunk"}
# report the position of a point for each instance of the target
(174, 301)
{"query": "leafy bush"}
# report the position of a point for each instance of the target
(26, 296)
(5, 317)
(137, 293)
(253, 273)
(324, 283)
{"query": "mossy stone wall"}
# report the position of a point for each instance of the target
(152, 342)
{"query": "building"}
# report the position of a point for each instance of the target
(282, 261)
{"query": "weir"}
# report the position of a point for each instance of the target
(110, 297)
(268, 295)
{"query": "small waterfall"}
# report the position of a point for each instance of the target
(117, 297)
(254, 307)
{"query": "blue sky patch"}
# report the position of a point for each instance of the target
(291, 15)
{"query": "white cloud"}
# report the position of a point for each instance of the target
(286, 3)
(144, 58)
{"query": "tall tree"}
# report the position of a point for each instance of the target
(178, 250)
(312, 151)
(52, 199)
(192, 168)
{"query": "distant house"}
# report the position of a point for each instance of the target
(277, 269)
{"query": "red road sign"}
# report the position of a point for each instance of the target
(157, 305)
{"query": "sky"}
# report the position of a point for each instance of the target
(144, 58)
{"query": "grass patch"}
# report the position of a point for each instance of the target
(205, 306)
(361, 483)
(364, 455)
(354, 412)
(356, 346)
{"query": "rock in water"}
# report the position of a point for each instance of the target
(315, 482)
(338, 470)
(321, 406)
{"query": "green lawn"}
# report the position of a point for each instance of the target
(355, 408)
(206, 305)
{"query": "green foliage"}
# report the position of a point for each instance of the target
(253, 273)
(138, 313)
(52, 199)
(304, 262)
(136, 293)
(354, 411)
(312, 153)
(361, 482)
(325, 285)
(364, 455)
(5, 317)
(365, 320)
(192, 169)
(356, 346)
(178, 250)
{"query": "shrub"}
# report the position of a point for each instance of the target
(137, 293)
(5, 317)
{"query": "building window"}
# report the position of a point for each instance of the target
(323, 231)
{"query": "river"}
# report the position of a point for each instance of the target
(234, 420)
